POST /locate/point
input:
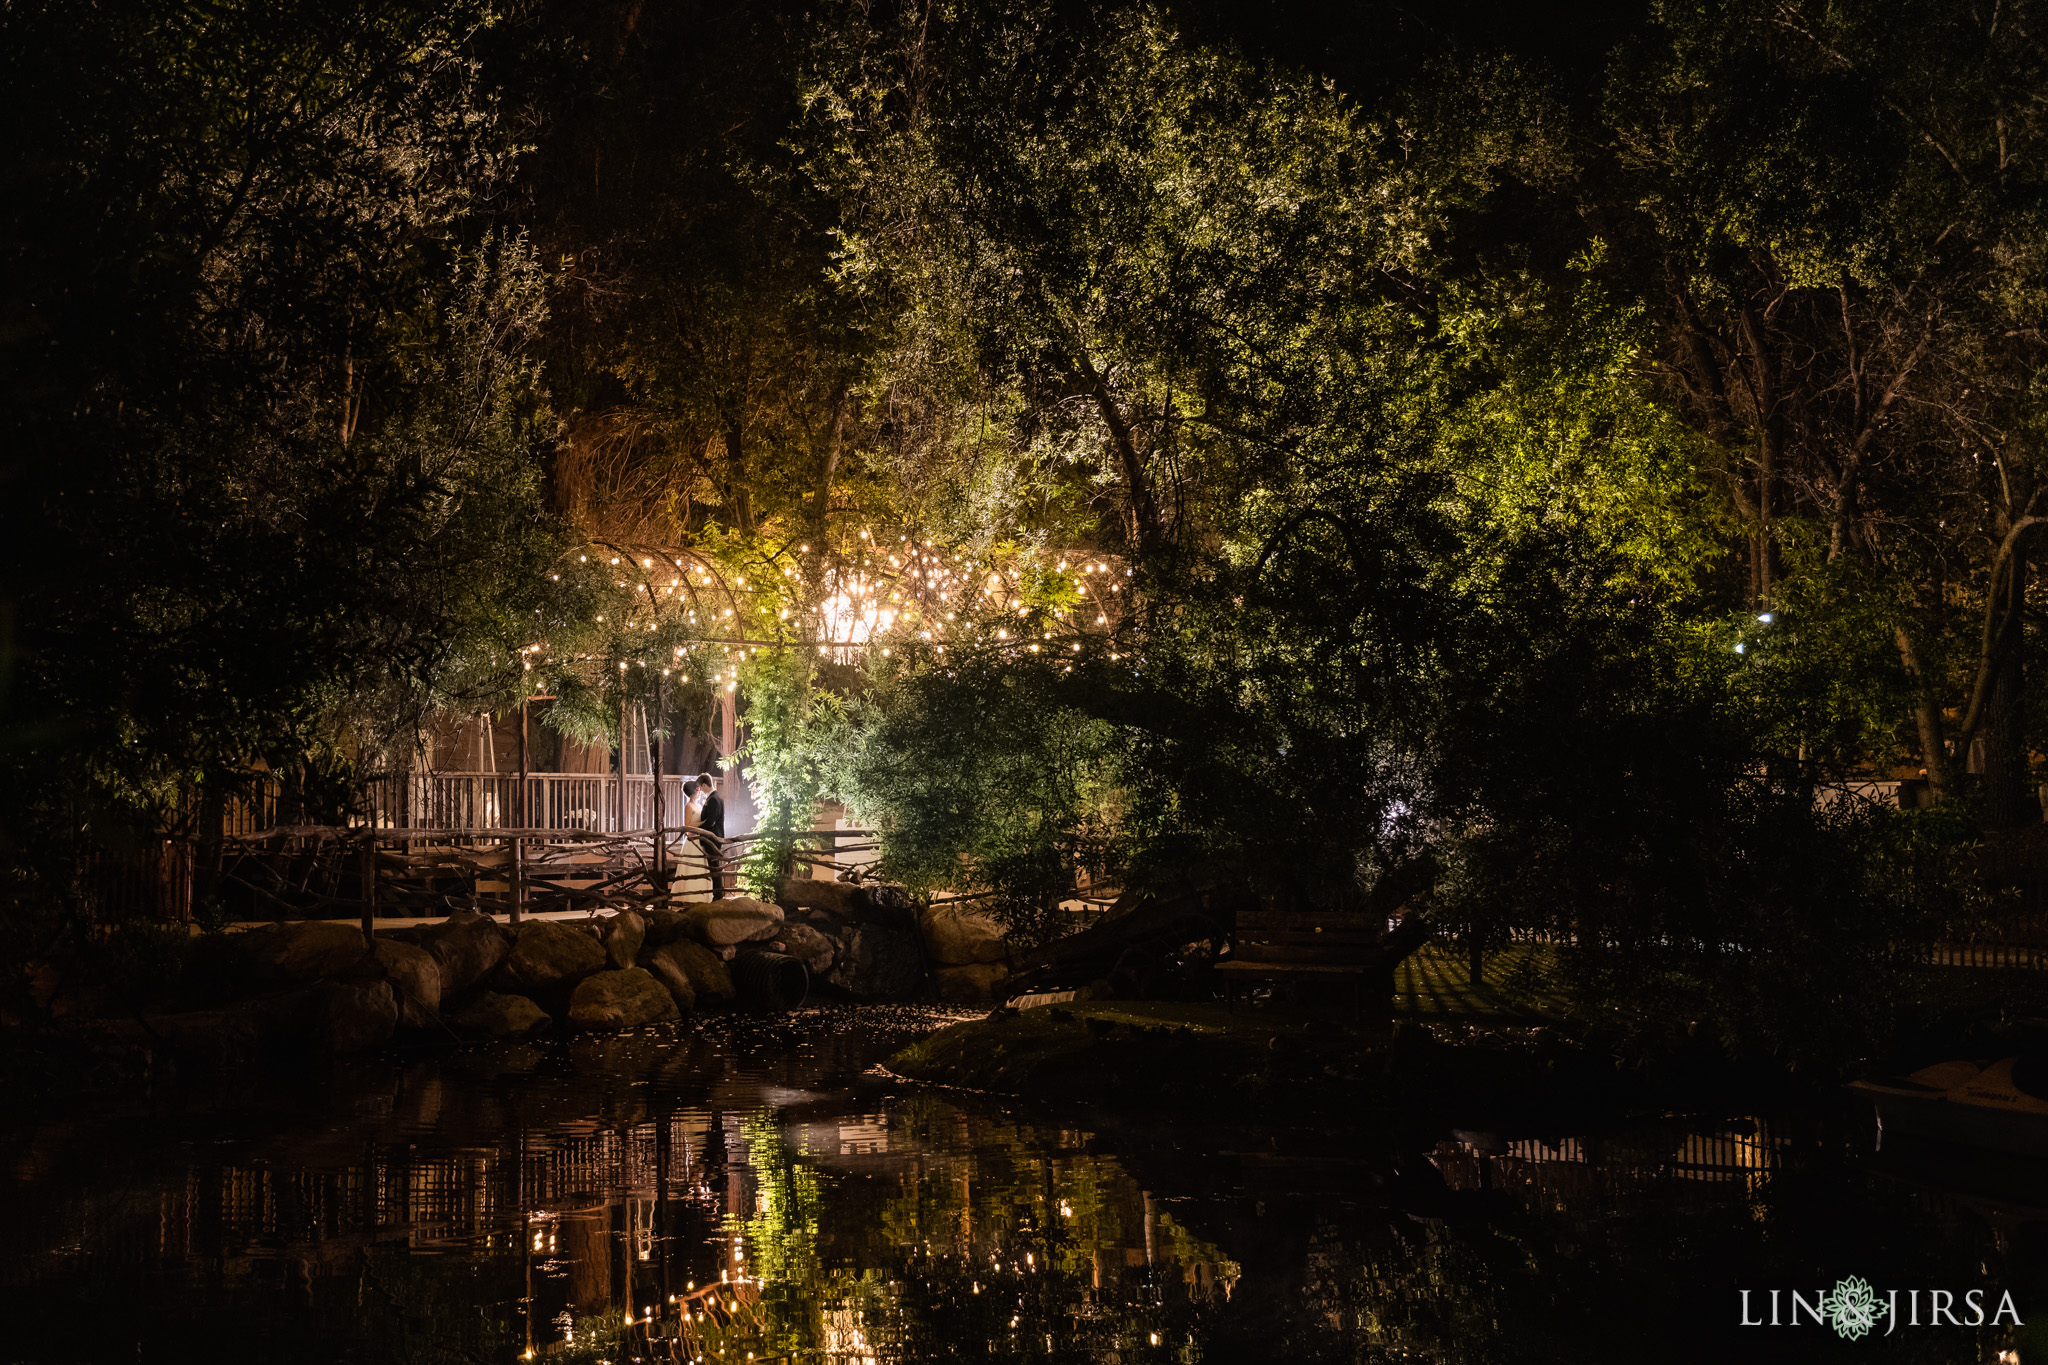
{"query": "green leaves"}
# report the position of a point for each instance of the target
(272, 446)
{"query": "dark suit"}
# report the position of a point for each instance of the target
(711, 820)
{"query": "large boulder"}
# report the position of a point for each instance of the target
(886, 898)
(304, 950)
(664, 925)
(886, 904)
(415, 979)
(883, 903)
(812, 893)
(353, 1015)
(737, 920)
(824, 921)
(547, 954)
(468, 948)
(622, 935)
(661, 964)
(624, 998)
(492, 1015)
(974, 984)
(815, 950)
(710, 978)
(879, 963)
(961, 936)
(279, 1024)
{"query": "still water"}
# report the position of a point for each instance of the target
(742, 1189)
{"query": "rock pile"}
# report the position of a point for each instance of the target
(320, 984)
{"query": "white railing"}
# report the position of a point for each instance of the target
(602, 803)
(599, 802)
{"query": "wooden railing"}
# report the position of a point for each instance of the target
(598, 802)
(320, 871)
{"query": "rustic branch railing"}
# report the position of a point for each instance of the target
(320, 871)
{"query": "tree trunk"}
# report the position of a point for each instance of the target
(1927, 718)
(1144, 508)
(737, 475)
(2008, 791)
(821, 505)
(1769, 443)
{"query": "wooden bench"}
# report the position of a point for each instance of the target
(1271, 945)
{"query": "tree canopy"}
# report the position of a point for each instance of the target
(1090, 439)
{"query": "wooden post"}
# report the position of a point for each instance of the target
(518, 843)
(654, 764)
(620, 828)
(370, 884)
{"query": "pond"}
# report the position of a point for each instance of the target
(752, 1189)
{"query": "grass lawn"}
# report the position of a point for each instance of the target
(1518, 982)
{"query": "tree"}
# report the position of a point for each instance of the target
(271, 452)
(1843, 223)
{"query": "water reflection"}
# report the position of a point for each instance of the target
(750, 1190)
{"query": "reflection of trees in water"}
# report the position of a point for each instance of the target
(980, 1236)
(918, 1229)
(929, 1233)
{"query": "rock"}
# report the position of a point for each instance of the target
(353, 1015)
(661, 964)
(888, 896)
(815, 950)
(305, 950)
(415, 979)
(878, 963)
(622, 936)
(710, 978)
(492, 1015)
(884, 903)
(469, 948)
(548, 953)
(837, 898)
(973, 984)
(737, 920)
(277, 1024)
(625, 998)
(959, 936)
(218, 968)
(664, 926)
(824, 921)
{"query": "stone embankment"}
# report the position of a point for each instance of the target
(320, 985)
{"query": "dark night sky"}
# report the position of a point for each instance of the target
(1367, 45)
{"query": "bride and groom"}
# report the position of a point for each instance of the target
(704, 823)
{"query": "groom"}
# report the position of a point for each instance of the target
(711, 821)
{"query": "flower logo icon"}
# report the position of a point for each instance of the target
(1853, 1308)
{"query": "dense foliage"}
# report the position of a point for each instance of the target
(1090, 442)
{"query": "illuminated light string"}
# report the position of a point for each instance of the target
(864, 605)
